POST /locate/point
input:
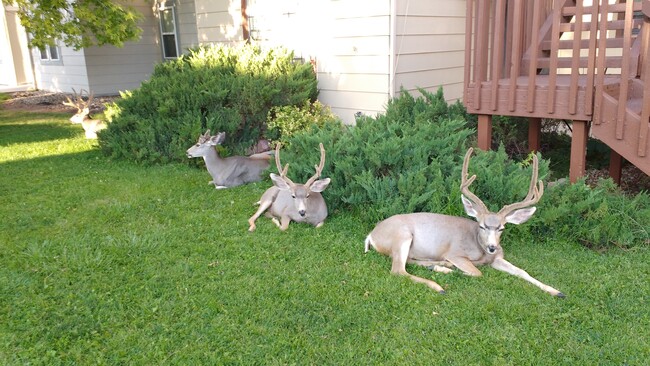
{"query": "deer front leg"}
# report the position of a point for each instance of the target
(438, 266)
(505, 266)
(400, 257)
(263, 206)
(465, 265)
(284, 222)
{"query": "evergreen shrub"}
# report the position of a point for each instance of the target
(406, 160)
(218, 87)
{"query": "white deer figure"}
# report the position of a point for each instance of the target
(288, 201)
(442, 242)
(90, 125)
(231, 171)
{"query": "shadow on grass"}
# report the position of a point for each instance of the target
(36, 132)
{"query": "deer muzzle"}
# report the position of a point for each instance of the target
(302, 213)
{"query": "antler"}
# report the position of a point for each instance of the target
(79, 102)
(319, 168)
(465, 183)
(283, 172)
(535, 192)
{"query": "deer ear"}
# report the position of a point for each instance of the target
(469, 206)
(319, 185)
(279, 182)
(520, 216)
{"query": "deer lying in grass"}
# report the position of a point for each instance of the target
(289, 201)
(90, 125)
(442, 242)
(231, 171)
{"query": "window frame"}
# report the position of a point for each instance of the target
(45, 54)
(171, 8)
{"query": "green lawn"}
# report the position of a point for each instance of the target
(106, 262)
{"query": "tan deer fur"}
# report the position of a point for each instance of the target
(443, 242)
(90, 125)
(287, 201)
(231, 171)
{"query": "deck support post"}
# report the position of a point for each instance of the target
(484, 132)
(578, 162)
(534, 134)
(615, 166)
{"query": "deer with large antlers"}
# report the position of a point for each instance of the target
(442, 242)
(288, 201)
(90, 125)
(231, 171)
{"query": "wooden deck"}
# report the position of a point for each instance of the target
(547, 59)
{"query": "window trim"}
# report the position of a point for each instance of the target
(47, 52)
(172, 10)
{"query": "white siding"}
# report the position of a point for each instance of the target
(64, 75)
(429, 46)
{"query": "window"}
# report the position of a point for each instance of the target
(168, 31)
(49, 53)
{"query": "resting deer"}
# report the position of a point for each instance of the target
(231, 171)
(289, 201)
(90, 126)
(443, 242)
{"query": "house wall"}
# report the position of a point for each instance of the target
(218, 21)
(352, 55)
(186, 23)
(63, 75)
(111, 69)
(429, 46)
(15, 64)
(107, 69)
(365, 50)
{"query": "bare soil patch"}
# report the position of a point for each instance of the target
(44, 101)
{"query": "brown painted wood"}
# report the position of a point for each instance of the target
(534, 54)
(575, 59)
(578, 158)
(497, 62)
(246, 34)
(484, 132)
(534, 134)
(625, 69)
(645, 76)
(555, 41)
(615, 166)
(517, 51)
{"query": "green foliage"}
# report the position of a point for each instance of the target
(599, 217)
(286, 121)
(78, 23)
(406, 160)
(219, 88)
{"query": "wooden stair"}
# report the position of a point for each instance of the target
(630, 145)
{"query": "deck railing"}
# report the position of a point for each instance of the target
(561, 59)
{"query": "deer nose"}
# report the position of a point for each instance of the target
(302, 212)
(492, 249)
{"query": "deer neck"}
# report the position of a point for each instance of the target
(213, 162)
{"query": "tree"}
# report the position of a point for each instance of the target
(78, 23)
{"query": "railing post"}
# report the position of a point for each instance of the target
(484, 132)
(579, 135)
(534, 134)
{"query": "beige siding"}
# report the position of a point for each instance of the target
(429, 46)
(218, 21)
(354, 67)
(113, 69)
(186, 22)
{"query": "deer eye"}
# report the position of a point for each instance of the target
(293, 196)
(482, 227)
(307, 196)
